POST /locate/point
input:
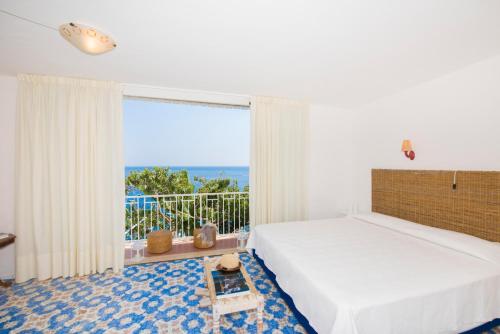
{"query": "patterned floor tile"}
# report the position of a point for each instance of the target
(149, 298)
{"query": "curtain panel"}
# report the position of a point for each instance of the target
(278, 160)
(69, 177)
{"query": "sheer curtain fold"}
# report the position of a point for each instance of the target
(69, 177)
(278, 161)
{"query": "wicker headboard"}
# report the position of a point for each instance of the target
(427, 197)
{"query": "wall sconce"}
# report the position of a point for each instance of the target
(407, 148)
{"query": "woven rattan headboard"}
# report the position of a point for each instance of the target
(427, 197)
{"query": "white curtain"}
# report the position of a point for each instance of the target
(69, 177)
(278, 160)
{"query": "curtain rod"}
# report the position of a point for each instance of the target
(194, 102)
(175, 94)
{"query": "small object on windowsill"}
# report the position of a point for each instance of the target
(138, 246)
(205, 236)
(242, 238)
(159, 241)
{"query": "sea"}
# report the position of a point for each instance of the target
(238, 173)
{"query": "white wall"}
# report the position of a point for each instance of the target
(453, 122)
(330, 161)
(8, 87)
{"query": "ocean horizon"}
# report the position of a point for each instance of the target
(238, 173)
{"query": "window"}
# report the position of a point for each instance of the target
(186, 165)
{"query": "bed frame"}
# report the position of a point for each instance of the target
(430, 198)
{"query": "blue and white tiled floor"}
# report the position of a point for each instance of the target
(150, 298)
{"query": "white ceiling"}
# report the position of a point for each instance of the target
(340, 52)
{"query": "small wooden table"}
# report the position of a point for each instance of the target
(4, 242)
(221, 306)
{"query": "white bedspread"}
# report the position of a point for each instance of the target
(378, 274)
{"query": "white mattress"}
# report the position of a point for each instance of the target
(378, 274)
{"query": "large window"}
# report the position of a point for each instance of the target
(186, 165)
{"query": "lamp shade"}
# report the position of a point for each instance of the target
(406, 146)
(87, 39)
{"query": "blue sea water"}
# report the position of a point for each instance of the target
(238, 173)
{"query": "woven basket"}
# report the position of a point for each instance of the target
(198, 241)
(159, 241)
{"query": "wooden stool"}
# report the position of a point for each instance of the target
(159, 241)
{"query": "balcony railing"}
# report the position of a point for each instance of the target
(181, 213)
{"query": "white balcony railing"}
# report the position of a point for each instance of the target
(181, 213)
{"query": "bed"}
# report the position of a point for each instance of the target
(375, 273)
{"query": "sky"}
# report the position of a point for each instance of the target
(158, 133)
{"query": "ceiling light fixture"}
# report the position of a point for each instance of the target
(87, 39)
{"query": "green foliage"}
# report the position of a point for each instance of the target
(219, 185)
(228, 211)
(159, 181)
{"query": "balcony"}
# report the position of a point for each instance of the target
(181, 213)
